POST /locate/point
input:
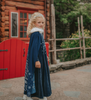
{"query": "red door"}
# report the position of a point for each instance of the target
(13, 53)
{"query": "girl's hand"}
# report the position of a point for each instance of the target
(37, 64)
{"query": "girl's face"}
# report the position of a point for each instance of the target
(39, 22)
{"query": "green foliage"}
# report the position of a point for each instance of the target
(68, 10)
(63, 9)
(75, 54)
(59, 35)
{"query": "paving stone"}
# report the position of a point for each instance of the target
(84, 70)
(74, 94)
(54, 85)
(6, 85)
(18, 98)
(87, 66)
(63, 74)
(66, 85)
(1, 93)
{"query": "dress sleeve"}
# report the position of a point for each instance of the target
(37, 59)
(34, 47)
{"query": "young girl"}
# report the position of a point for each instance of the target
(37, 77)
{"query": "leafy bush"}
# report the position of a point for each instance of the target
(75, 54)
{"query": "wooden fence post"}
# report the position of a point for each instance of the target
(83, 36)
(79, 38)
(53, 33)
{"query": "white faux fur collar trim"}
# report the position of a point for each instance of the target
(35, 29)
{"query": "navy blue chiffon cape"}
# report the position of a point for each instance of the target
(37, 80)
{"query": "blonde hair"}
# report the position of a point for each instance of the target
(33, 20)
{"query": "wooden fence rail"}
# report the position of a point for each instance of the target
(80, 38)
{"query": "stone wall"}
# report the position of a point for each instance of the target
(69, 65)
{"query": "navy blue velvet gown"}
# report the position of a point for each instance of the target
(37, 80)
